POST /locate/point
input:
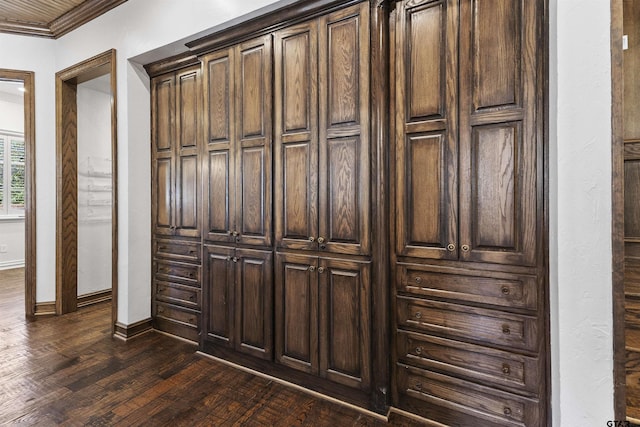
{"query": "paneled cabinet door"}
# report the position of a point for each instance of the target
(499, 135)
(176, 171)
(239, 295)
(238, 111)
(426, 129)
(322, 136)
(323, 317)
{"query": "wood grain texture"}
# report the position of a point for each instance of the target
(70, 371)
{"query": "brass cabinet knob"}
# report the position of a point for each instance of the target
(321, 240)
(235, 234)
(507, 411)
(418, 386)
(465, 248)
(312, 239)
(418, 350)
(506, 369)
(320, 270)
(451, 247)
(506, 330)
(312, 268)
(418, 315)
(234, 259)
(418, 279)
(505, 290)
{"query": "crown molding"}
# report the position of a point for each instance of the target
(79, 15)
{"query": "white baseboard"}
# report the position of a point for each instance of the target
(6, 265)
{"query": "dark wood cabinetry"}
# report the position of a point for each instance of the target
(371, 222)
(469, 319)
(176, 141)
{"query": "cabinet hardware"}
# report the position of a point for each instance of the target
(192, 251)
(506, 330)
(235, 234)
(451, 247)
(418, 350)
(465, 248)
(321, 240)
(235, 259)
(507, 411)
(228, 258)
(418, 386)
(418, 279)
(506, 290)
(312, 268)
(506, 369)
(418, 315)
(192, 298)
(162, 248)
(312, 239)
(320, 270)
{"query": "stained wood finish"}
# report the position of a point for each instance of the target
(69, 370)
(51, 18)
(27, 77)
(323, 154)
(322, 317)
(238, 110)
(426, 70)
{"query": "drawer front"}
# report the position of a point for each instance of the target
(474, 403)
(481, 364)
(184, 273)
(178, 314)
(501, 289)
(178, 250)
(452, 320)
(187, 296)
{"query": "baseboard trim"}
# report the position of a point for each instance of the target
(45, 308)
(126, 332)
(8, 265)
(94, 298)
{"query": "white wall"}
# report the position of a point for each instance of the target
(580, 162)
(94, 185)
(580, 203)
(11, 111)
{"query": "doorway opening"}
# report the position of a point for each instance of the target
(86, 170)
(17, 179)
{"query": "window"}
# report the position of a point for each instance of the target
(12, 173)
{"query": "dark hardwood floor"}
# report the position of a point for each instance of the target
(68, 370)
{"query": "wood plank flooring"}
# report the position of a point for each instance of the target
(70, 371)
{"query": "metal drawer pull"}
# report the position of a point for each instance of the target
(507, 411)
(418, 350)
(162, 248)
(192, 251)
(192, 297)
(465, 248)
(418, 279)
(312, 239)
(191, 274)
(192, 320)
(418, 315)
(235, 234)
(505, 290)
(234, 259)
(418, 386)
(451, 247)
(506, 369)
(320, 270)
(506, 330)
(312, 268)
(228, 258)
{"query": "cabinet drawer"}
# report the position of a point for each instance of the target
(480, 364)
(187, 296)
(463, 403)
(187, 273)
(179, 314)
(501, 289)
(476, 324)
(179, 250)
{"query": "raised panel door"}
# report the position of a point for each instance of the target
(219, 164)
(254, 129)
(163, 137)
(426, 120)
(344, 160)
(254, 302)
(296, 309)
(499, 146)
(219, 294)
(296, 136)
(188, 131)
(345, 324)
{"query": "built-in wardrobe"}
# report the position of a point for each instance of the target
(351, 196)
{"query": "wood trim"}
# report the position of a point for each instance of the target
(66, 132)
(617, 209)
(172, 63)
(94, 298)
(76, 17)
(380, 185)
(127, 332)
(45, 308)
(28, 79)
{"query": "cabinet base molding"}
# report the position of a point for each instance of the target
(45, 308)
(127, 332)
(300, 388)
(94, 298)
